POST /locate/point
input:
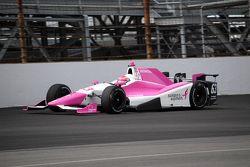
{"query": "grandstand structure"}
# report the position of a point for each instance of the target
(86, 30)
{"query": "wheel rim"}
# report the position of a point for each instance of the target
(118, 100)
(200, 96)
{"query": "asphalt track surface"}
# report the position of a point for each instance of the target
(215, 136)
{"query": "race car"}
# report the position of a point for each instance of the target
(140, 89)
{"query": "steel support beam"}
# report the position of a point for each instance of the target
(183, 36)
(139, 31)
(44, 34)
(7, 44)
(183, 42)
(158, 37)
(148, 42)
(202, 33)
(22, 37)
(86, 48)
(246, 30)
(62, 39)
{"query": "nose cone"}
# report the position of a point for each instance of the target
(72, 99)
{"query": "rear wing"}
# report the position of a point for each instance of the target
(179, 77)
(203, 77)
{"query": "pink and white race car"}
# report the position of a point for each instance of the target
(139, 88)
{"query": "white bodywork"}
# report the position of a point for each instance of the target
(171, 98)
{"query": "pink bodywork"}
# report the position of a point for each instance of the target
(73, 99)
(142, 88)
(153, 83)
(89, 109)
(154, 75)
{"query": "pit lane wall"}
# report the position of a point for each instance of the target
(22, 84)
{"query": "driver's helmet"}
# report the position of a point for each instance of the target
(122, 80)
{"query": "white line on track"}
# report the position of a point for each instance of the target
(133, 156)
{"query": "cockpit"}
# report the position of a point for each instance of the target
(131, 75)
(130, 71)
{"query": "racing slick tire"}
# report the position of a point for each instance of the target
(198, 96)
(113, 100)
(56, 91)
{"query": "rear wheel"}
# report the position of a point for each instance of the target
(113, 100)
(56, 91)
(198, 96)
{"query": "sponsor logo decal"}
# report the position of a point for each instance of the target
(178, 96)
(145, 71)
(185, 94)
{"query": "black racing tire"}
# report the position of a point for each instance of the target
(198, 96)
(56, 91)
(113, 100)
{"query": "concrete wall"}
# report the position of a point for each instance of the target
(22, 84)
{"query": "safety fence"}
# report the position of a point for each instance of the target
(178, 30)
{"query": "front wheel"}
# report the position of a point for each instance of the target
(198, 96)
(113, 100)
(56, 91)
